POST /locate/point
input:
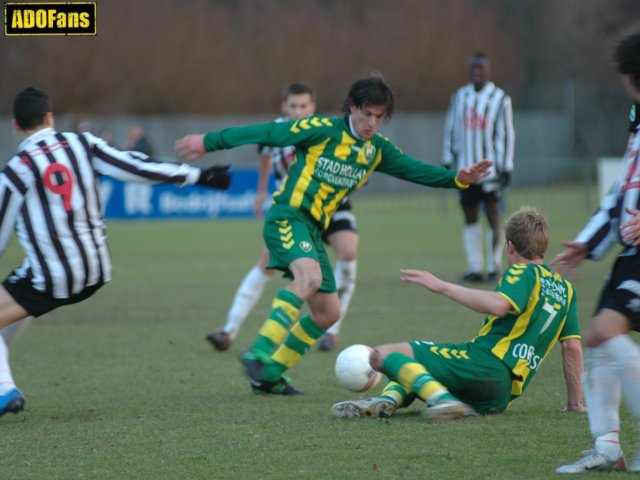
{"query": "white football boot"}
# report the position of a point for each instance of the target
(593, 460)
(449, 409)
(376, 407)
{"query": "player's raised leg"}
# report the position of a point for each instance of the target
(265, 371)
(299, 248)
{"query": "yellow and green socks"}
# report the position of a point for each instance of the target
(301, 338)
(284, 311)
(413, 377)
(396, 393)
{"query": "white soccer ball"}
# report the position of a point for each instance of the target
(354, 371)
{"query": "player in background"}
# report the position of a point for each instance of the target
(612, 357)
(334, 157)
(298, 101)
(479, 125)
(49, 196)
(530, 309)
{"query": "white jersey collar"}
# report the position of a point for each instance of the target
(36, 137)
(488, 87)
(353, 130)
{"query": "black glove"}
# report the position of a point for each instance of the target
(216, 177)
(505, 179)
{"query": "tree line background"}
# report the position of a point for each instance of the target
(235, 56)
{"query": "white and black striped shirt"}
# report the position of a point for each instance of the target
(281, 157)
(479, 126)
(603, 229)
(49, 194)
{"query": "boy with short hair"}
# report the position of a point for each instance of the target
(530, 310)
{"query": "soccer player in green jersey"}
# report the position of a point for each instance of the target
(334, 157)
(531, 308)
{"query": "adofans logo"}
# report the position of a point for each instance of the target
(50, 18)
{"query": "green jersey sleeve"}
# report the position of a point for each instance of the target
(571, 327)
(274, 134)
(400, 165)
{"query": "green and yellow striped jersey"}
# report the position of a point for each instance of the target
(331, 161)
(543, 311)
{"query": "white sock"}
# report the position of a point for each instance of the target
(6, 379)
(433, 398)
(601, 388)
(13, 331)
(626, 359)
(472, 237)
(609, 444)
(493, 254)
(345, 273)
(245, 299)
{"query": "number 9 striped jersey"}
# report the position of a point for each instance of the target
(49, 194)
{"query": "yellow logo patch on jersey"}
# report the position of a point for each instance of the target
(369, 152)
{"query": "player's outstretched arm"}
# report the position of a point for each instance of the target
(573, 256)
(473, 173)
(572, 370)
(482, 301)
(191, 147)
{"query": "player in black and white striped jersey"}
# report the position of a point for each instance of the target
(479, 126)
(276, 159)
(49, 196)
(612, 357)
(298, 101)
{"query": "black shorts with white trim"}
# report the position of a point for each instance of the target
(38, 303)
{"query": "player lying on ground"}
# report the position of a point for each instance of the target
(334, 157)
(530, 309)
(49, 195)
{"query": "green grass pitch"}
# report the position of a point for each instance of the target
(123, 386)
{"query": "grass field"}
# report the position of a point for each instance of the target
(124, 386)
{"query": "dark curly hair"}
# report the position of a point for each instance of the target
(627, 57)
(370, 90)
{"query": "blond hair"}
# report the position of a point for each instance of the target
(528, 231)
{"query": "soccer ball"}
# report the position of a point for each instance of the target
(354, 371)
